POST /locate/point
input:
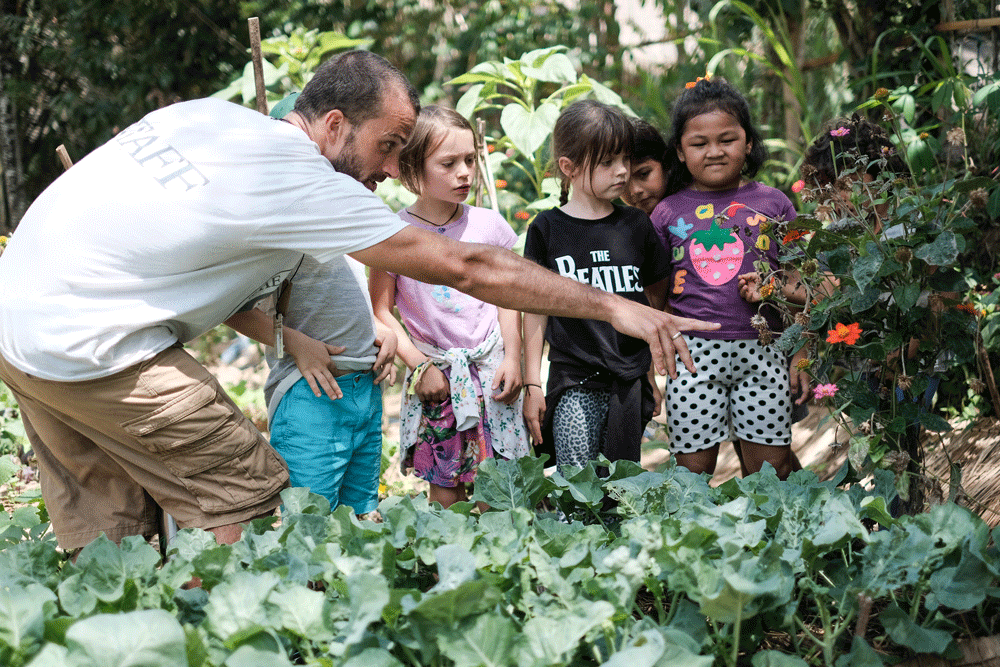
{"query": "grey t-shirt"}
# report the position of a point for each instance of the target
(329, 302)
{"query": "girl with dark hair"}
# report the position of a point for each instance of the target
(647, 184)
(711, 222)
(599, 396)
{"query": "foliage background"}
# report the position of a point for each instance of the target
(75, 71)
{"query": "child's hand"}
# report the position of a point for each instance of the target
(384, 366)
(507, 382)
(534, 411)
(800, 381)
(312, 357)
(750, 287)
(433, 386)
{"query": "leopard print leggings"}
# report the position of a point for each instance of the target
(578, 425)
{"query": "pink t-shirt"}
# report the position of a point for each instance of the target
(442, 315)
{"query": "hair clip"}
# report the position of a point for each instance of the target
(692, 84)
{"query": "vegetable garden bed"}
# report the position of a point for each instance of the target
(674, 572)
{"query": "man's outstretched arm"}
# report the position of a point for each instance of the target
(503, 278)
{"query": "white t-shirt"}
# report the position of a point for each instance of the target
(179, 221)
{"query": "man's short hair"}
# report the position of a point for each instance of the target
(354, 82)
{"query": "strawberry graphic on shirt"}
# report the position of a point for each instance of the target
(717, 254)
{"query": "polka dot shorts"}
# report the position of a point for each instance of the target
(741, 391)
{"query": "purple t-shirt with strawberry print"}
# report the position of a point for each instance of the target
(714, 237)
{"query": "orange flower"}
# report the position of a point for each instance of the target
(490, 148)
(798, 185)
(793, 235)
(692, 84)
(844, 333)
(522, 215)
(501, 183)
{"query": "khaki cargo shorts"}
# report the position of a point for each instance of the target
(163, 430)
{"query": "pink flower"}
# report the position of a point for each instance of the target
(825, 390)
(798, 185)
(840, 132)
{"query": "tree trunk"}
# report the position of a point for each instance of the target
(10, 162)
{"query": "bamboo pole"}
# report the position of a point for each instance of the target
(64, 157)
(253, 23)
(484, 166)
(974, 24)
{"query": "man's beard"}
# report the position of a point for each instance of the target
(347, 162)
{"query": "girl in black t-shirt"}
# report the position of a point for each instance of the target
(599, 397)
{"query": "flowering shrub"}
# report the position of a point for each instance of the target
(889, 299)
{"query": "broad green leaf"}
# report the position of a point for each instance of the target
(933, 422)
(23, 615)
(941, 252)
(789, 337)
(906, 295)
(858, 450)
(491, 640)
(962, 586)
(147, 638)
(866, 267)
(300, 611)
(528, 130)
(750, 584)
(299, 500)
(504, 485)
(777, 659)
(467, 103)
(555, 67)
(449, 607)
(251, 656)
(8, 467)
(893, 558)
(584, 486)
(553, 635)
(862, 301)
(369, 595)
(51, 655)
(455, 566)
(76, 597)
(373, 657)
(237, 604)
(905, 632)
(861, 655)
(660, 647)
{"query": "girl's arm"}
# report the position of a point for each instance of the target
(534, 397)
(432, 385)
(509, 373)
(312, 357)
(656, 293)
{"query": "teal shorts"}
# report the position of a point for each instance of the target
(333, 447)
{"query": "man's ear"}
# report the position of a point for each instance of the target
(336, 124)
(566, 166)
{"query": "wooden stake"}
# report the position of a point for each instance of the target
(258, 67)
(484, 165)
(979, 25)
(64, 157)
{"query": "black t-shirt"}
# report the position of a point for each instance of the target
(620, 253)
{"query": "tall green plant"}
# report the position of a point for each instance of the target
(526, 96)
